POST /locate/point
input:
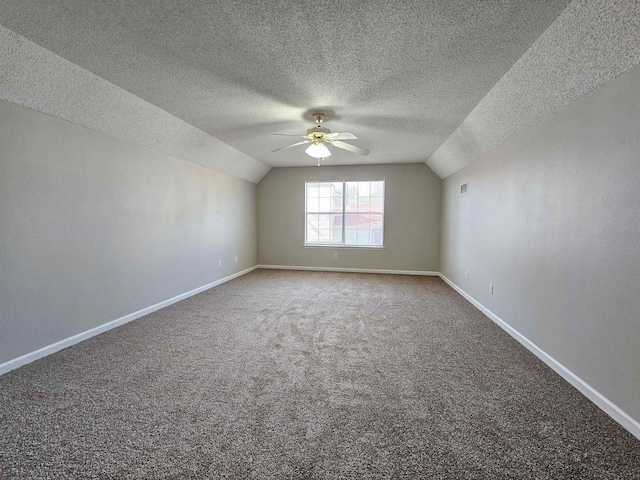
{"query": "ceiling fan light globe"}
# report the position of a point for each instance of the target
(317, 150)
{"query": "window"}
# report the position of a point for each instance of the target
(344, 214)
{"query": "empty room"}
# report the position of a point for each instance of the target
(324, 240)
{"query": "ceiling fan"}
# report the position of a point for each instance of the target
(319, 136)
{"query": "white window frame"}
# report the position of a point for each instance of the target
(342, 245)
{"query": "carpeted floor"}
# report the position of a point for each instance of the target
(306, 375)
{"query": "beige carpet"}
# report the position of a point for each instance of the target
(306, 375)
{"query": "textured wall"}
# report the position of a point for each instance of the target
(36, 78)
(411, 223)
(591, 42)
(552, 219)
(93, 228)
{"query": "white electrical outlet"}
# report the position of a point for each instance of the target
(236, 259)
(491, 288)
(466, 274)
(335, 255)
(219, 263)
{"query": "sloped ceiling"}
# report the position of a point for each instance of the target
(402, 76)
(588, 45)
(441, 81)
(36, 78)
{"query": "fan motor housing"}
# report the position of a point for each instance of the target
(312, 132)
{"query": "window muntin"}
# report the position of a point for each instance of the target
(344, 214)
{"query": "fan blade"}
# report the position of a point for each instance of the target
(289, 146)
(287, 135)
(349, 147)
(341, 136)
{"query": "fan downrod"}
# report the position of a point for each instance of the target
(319, 118)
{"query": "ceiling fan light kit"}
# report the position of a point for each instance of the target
(317, 150)
(319, 136)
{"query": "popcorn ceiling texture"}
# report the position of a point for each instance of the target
(440, 82)
(402, 75)
(39, 79)
(591, 43)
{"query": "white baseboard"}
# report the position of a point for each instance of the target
(351, 270)
(583, 387)
(67, 342)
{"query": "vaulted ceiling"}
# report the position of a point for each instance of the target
(402, 75)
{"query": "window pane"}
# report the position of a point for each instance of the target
(363, 230)
(336, 199)
(337, 235)
(351, 204)
(364, 189)
(376, 236)
(324, 235)
(324, 221)
(324, 229)
(312, 228)
(363, 207)
(312, 190)
(325, 205)
(363, 204)
(377, 204)
(377, 189)
(363, 237)
(312, 204)
(375, 219)
(336, 228)
(351, 220)
(325, 190)
(356, 223)
(350, 235)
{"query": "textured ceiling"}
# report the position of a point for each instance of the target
(34, 77)
(402, 76)
(589, 44)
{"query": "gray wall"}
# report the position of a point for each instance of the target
(412, 218)
(553, 220)
(93, 228)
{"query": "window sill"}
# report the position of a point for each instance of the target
(331, 247)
